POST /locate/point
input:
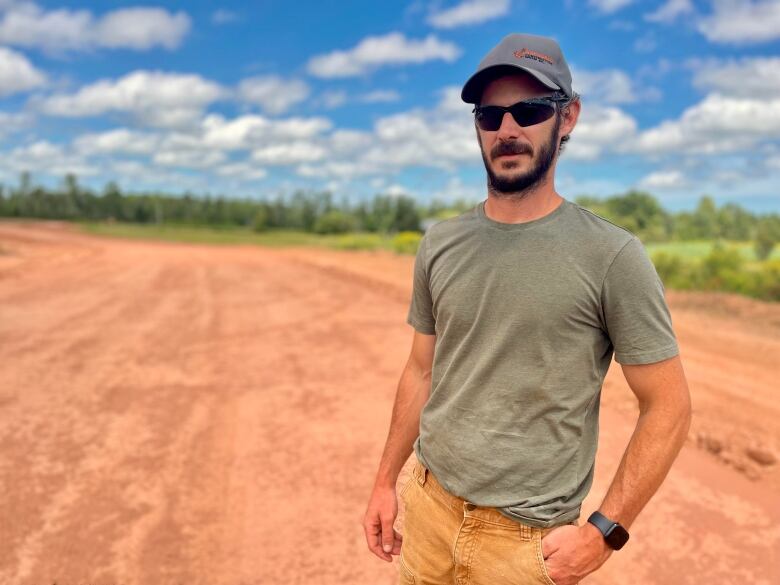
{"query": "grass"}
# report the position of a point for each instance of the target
(700, 248)
(237, 235)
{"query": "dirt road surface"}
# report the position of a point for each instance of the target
(176, 413)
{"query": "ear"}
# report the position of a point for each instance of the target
(571, 114)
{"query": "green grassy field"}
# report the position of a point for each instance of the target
(237, 235)
(699, 249)
(365, 241)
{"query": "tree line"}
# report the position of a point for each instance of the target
(318, 212)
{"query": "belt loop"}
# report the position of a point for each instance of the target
(526, 532)
(420, 472)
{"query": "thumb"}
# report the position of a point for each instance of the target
(387, 533)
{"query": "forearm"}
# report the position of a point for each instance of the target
(412, 394)
(657, 439)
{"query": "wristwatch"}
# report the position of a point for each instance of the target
(615, 535)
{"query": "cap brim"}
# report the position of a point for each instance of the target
(472, 89)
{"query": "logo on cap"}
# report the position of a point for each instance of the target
(533, 55)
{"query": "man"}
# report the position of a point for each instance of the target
(518, 306)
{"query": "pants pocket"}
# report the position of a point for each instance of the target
(405, 575)
(540, 558)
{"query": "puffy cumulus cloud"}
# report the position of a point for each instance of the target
(469, 12)
(155, 98)
(252, 131)
(670, 11)
(190, 159)
(611, 86)
(741, 22)
(119, 140)
(374, 52)
(242, 170)
(17, 74)
(749, 77)
(608, 6)
(718, 124)
(11, 122)
(47, 158)
(26, 24)
(272, 93)
(665, 179)
(441, 137)
(289, 153)
(599, 129)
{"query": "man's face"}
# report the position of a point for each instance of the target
(517, 159)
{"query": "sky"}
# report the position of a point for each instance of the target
(680, 98)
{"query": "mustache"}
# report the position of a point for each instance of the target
(504, 148)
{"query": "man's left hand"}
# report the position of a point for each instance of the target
(570, 552)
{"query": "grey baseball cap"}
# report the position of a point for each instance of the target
(540, 56)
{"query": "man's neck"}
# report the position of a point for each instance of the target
(506, 208)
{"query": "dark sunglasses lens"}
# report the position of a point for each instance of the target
(530, 114)
(489, 118)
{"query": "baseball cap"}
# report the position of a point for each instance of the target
(540, 56)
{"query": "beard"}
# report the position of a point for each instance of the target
(508, 184)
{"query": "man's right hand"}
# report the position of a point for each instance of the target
(383, 540)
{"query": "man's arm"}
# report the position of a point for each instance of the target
(661, 430)
(414, 389)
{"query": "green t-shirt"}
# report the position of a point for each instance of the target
(526, 318)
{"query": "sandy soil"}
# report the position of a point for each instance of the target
(176, 413)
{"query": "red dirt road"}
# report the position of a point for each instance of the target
(176, 413)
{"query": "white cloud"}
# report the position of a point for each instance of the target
(118, 140)
(742, 21)
(598, 130)
(26, 24)
(242, 171)
(718, 124)
(670, 11)
(197, 159)
(747, 77)
(608, 6)
(17, 74)
(272, 93)
(289, 153)
(154, 97)
(374, 52)
(668, 179)
(469, 12)
(606, 86)
(46, 158)
(11, 123)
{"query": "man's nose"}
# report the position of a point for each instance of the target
(509, 127)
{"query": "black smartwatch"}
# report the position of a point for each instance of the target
(615, 535)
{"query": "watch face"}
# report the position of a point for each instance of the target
(617, 537)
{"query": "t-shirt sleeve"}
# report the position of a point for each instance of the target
(420, 315)
(635, 312)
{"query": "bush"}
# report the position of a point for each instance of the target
(260, 220)
(334, 222)
(358, 241)
(406, 242)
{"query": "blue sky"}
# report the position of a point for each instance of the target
(679, 97)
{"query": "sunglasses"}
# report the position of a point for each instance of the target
(526, 113)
